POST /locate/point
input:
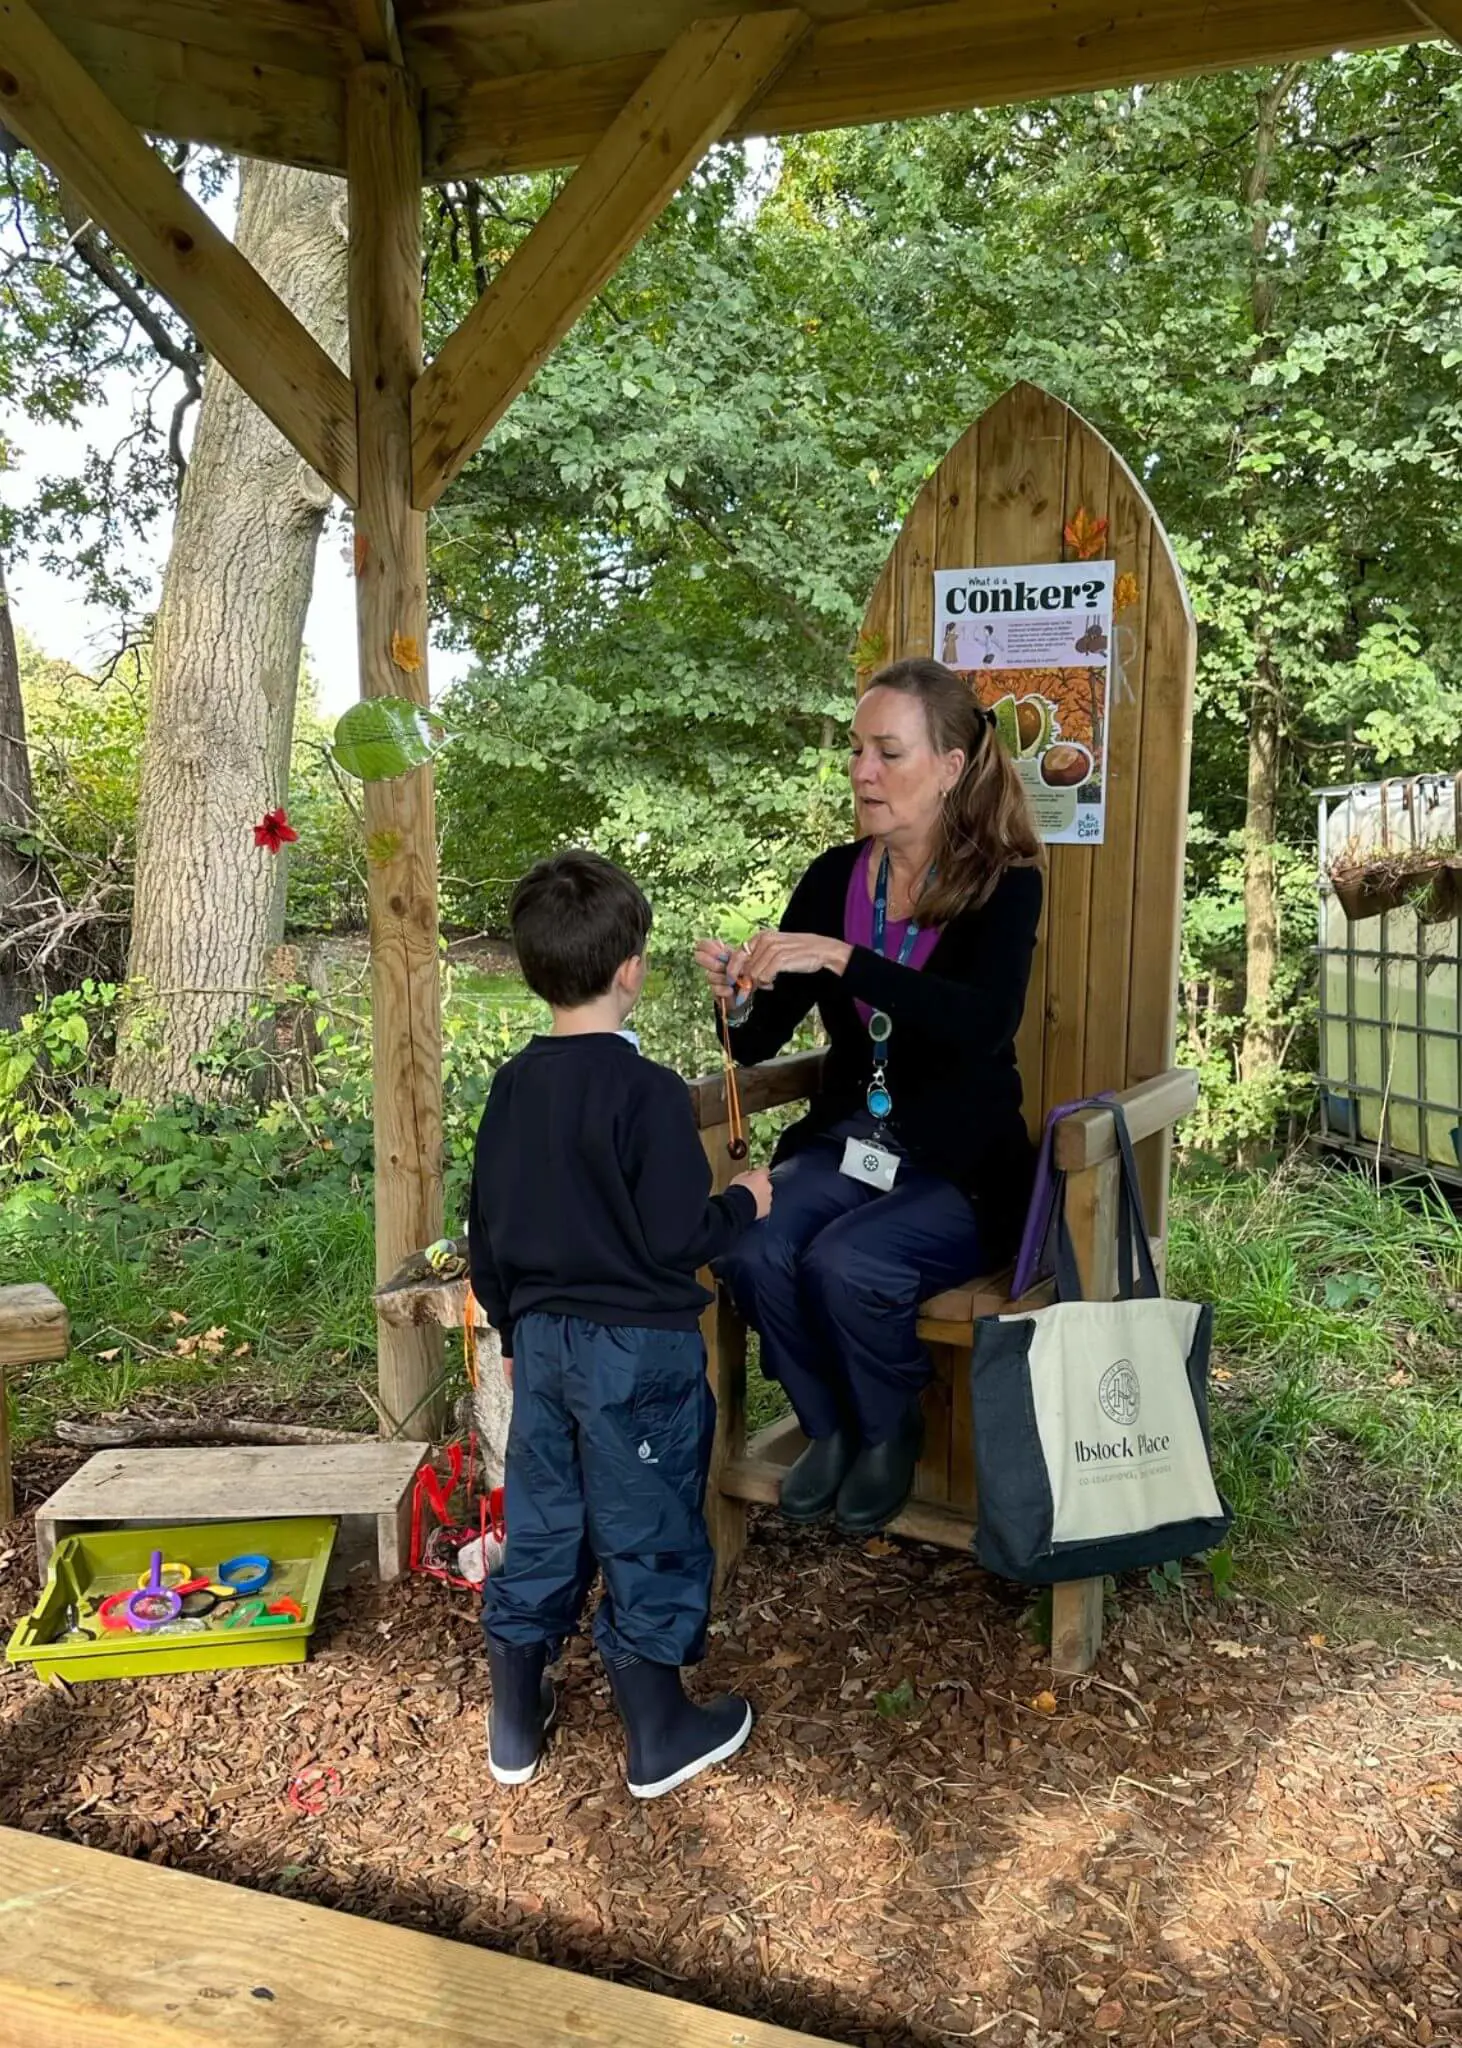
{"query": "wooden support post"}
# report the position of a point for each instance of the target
(55, 106)
(1091, 1212)
(383, 141)
(725, 1338)
(712, 71)
(372, 28)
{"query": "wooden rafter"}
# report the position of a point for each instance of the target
(713, 72)
(488, 117)
(372, 27)
(52, 104)
(1443, 15)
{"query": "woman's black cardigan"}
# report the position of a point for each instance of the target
(951, 1059)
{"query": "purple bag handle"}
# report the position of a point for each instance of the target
(1034, 1261)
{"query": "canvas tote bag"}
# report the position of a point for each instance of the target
(1091, 1418)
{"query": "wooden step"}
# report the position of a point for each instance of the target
(367, 1485)
(103, 1952)
(760, 1479)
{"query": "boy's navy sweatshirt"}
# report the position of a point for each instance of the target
(591, 1194)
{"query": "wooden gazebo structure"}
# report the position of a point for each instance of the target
(392, 94)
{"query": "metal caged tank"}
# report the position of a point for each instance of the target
(1390, 974)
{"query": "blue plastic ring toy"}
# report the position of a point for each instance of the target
(246, 1574)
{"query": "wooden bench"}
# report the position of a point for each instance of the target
(1101, 1012)
(34, 1329)
(100, 1951)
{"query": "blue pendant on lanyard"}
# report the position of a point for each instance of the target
(880, 1024)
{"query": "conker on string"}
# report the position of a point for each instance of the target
(738, 1148)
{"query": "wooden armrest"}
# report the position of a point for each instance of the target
(766, 1087)
(1088, 1136)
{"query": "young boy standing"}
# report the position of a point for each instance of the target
(591, 1215)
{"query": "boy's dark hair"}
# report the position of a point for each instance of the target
(576, 919)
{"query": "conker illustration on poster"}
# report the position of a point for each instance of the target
(1034, 644)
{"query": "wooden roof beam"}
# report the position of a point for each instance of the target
(1445, 16)
(371, 24)
(703, 83)
(922, 60)
(57, 108)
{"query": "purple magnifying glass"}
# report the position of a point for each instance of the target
(154, 1603)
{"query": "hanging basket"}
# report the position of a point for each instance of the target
(1440, 902)
(1364, 892)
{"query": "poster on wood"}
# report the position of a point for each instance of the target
(1034, 643)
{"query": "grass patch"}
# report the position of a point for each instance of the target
(1337, 1395)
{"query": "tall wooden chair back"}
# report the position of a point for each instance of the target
(1101, 1013)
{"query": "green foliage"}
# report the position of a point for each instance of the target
(156, 1224)
(85, 740)
(328, 866)
(1338, 1395)
(661, 556)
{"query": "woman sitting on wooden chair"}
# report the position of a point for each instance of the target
(912, 1170)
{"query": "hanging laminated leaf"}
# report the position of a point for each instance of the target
(1127, 592)
(382, 737)
(1085, 536)
(406, 653)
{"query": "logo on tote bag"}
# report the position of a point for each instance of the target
(1120, 1393)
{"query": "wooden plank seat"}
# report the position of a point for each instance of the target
(1100, 1014)
(104, 1951)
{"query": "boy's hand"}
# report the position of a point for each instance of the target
(508, 1370)
(759, 1180)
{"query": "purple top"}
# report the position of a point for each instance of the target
(858, 923)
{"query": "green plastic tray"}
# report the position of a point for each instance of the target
(89, 1566)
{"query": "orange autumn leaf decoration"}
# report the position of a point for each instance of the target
(405, 653)
(362, 549)
(1127, 592)
(1085, 536)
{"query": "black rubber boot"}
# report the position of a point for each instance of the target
(810, 1488)
(670, 1738)
(522, 1710)
(882, 1477)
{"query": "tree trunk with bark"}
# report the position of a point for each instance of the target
(1261, 1044)
(18, 871)
(1259, 1052)
(226, 659)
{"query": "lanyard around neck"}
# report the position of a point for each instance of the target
(880, 918)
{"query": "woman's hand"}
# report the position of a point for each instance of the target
(719, 962)
(772, 953)
(758, 1184)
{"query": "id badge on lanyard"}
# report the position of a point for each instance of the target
(872, 1160)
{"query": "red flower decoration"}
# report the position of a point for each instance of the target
(274, 830)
